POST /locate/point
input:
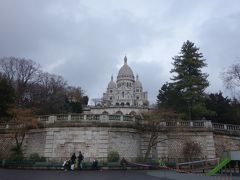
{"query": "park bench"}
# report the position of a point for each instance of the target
(16, 164)
(30, 164)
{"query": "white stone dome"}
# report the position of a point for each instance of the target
(125, 72)
(138, 84)
(112, 84)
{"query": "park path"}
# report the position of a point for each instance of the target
(193, 176)
(13, 174)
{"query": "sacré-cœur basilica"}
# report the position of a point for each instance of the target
(125, 96)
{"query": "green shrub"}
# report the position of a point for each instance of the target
(17, 153)
(170, 164)
(35, 157)
(113, 156)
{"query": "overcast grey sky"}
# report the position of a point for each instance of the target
(85, 40)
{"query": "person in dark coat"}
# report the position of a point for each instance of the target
(80, 159)
(95, 164)
(123, 163)
(66, 165)
(73, 159)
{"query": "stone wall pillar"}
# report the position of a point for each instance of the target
(103, 144)
(48, 150)
(211, 152)
(51, 119)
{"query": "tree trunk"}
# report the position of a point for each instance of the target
(153, 138)
(147, 152)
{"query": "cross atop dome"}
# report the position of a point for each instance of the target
(125, 59)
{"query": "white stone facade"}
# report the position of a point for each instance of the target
(126, 91)
(119, 110)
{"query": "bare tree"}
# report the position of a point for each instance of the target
(191, 149)
(152, 123)
(231, 76)
(33, 88)
(22, 73)
(23, 119)
(75, 99)
(74, 94)
(50, 94)
(96, 101)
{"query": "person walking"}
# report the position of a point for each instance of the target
(73, 159)
(80, 159)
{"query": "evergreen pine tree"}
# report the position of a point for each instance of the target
(186, 91)
(189, 80)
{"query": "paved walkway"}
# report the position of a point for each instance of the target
(182, 176)
(11, 174)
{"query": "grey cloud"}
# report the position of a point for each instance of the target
(220, 40)
(85, 41)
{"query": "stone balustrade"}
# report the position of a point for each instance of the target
(226, 127)
(130, 118)
(50, 119)
(85, 117)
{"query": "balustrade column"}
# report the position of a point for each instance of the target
(51, 119)
(121, 118)
(208, 124)
(164, 124)
(225, 126)
(177, 124)
(191, 123)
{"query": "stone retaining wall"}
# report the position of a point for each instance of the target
(61, 142)
(224, 142)
(6, 143)
(203, 138)
(34, 142)
(58, 143)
